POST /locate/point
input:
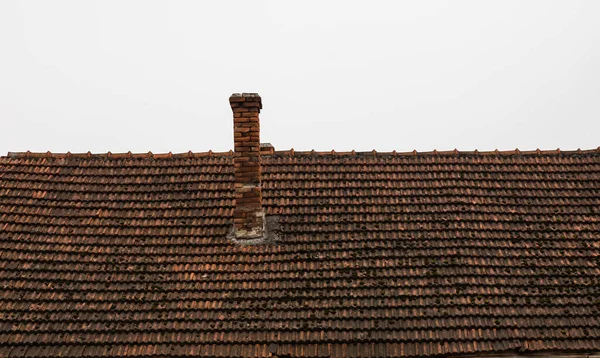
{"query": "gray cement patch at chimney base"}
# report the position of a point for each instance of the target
(271, 234)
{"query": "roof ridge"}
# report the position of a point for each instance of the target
(292, 152)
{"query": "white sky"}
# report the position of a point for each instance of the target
(156, 75)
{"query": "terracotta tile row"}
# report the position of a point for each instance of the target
(350, 350)
(448, 210)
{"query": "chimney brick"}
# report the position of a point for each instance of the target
(248, 216)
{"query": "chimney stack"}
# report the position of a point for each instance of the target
(248, 216)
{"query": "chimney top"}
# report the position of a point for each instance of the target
(246, 97)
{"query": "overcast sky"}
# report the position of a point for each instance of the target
(156, 75)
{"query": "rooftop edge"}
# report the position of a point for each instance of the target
(292, 152)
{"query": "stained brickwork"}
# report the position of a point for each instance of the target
(248, 216)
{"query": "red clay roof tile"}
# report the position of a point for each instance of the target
(380, 255)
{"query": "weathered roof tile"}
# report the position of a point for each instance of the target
(380, 255)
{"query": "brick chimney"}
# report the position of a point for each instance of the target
(248, 216)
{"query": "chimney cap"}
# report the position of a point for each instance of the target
(246, 97)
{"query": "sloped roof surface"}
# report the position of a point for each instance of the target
(380, 255)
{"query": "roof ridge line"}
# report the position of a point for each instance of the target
(292, 152)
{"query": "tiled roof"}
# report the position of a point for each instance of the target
(379, 255)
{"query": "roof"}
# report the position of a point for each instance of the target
(379, 255)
